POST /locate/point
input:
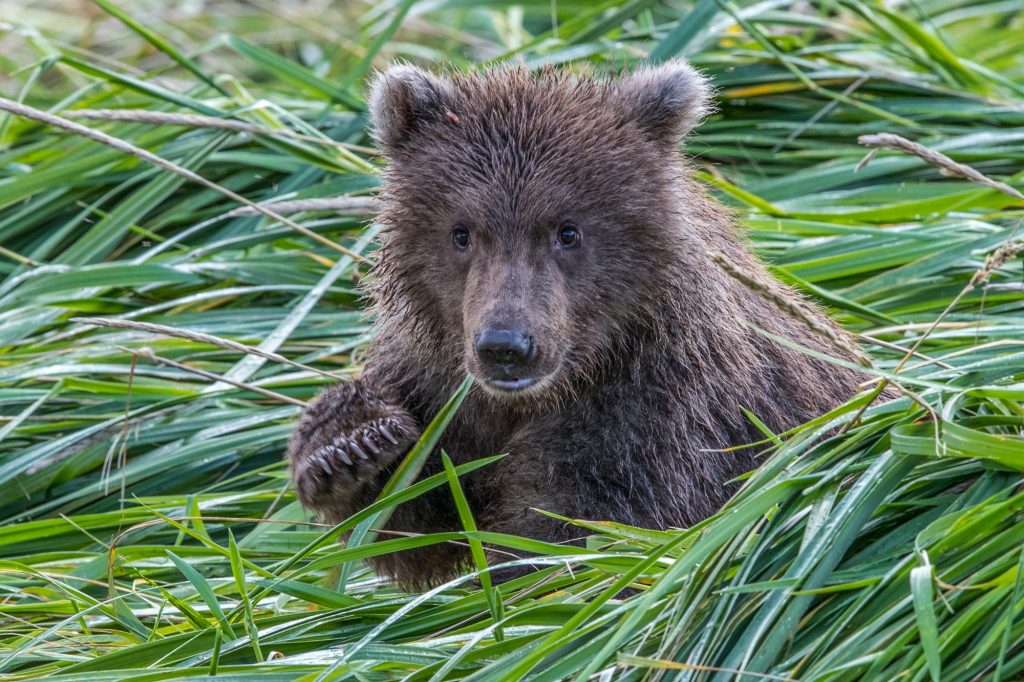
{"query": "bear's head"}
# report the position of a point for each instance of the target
(528, 218)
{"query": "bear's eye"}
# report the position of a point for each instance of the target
(569, 235)
(460, 237)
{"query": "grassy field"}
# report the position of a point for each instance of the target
(159, 336)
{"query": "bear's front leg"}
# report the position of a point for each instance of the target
(348, 436)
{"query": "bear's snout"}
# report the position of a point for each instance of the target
(511, 348)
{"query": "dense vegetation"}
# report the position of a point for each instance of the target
(148, 529)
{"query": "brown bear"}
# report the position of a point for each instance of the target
(540, 231)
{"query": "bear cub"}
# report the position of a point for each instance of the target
(541, 232)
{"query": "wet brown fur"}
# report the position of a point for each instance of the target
(644, 340)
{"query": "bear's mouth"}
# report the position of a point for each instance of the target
(511, 385)
(511, 389)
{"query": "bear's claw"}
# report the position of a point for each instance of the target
(324, 464)
(376, 438)
(387, 434)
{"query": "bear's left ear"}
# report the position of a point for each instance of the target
(667, 100)
(402, 100)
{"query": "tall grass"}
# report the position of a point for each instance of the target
(149, 531)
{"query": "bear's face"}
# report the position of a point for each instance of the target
(522, 213)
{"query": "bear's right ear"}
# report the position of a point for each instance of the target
(401, 100)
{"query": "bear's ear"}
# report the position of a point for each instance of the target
(667, 100)
(401, 100)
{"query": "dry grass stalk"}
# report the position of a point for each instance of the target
(948, 165)
(996, 260)
(34, 114)
(150, 355)
(766, 288)
(344, 205)
(199, 121)
(198, 337)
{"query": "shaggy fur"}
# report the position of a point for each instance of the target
(641, 349)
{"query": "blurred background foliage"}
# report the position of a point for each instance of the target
(148, 529)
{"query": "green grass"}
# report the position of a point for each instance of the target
(149, 532)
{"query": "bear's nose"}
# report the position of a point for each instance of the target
(508, 347)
